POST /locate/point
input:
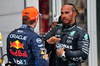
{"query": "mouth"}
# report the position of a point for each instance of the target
(64, 20)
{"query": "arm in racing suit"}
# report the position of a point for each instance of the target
(75, 40)
(25, 47)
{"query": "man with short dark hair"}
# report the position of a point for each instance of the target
(24, 46)
(73, 48)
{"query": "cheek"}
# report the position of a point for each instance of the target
(69, 16)
(61, 17)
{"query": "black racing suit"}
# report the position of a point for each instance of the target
(76, 41)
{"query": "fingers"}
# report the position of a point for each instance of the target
(63, 48)
(47, 58)
(46, 55)
(59, 39)
(60, 52)
(53, 40)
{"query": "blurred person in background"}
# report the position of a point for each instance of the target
(73, 48)
(53, 24)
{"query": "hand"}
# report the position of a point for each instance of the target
(60, 52)
(53, 40)
(47, 58)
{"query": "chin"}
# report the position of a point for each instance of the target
(66, 23)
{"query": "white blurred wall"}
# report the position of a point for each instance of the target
(11, 17)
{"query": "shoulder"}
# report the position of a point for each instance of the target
(80, 29)
(37, 39)
(58, 26)
(13, 31)
(36, 35)
(81, 32)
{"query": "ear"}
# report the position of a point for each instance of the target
(74, 14)
(36, 20)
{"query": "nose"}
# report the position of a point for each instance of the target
(63, 15)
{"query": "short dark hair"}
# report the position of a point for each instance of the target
(74, 8)
(26, 21)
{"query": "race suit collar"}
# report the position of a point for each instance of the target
(69, 27)
(27, 27)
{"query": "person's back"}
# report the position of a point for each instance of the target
(24, 46)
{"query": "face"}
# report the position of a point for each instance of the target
(67, 15)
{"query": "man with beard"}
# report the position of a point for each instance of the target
(73, 48)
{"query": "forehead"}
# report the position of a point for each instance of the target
(66, 8)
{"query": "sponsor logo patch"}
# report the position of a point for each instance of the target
(18, 36)
(86, 36)
(38, 40)
(16, 44)
(72, 33)
(42, 52)
(18, 53)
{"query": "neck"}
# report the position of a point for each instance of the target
(72, 22)
(33, 25)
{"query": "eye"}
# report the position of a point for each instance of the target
(66, 12)
(61, 12)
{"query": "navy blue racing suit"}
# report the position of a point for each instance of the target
(25, 47)
(74, 39)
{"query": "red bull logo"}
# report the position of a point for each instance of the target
(17, 44)
(18, 53)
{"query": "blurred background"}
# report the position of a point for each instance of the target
(49, 10)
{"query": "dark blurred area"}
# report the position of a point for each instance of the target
(44, 19)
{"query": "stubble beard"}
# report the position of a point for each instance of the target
(69, 23)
